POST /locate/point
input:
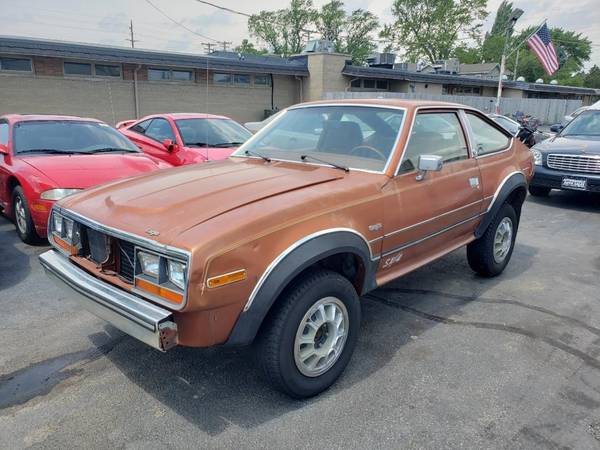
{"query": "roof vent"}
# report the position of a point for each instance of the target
(554, 82)
(319, 46)
(521, 79)
(539, 80)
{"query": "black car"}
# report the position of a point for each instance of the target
(571, 159)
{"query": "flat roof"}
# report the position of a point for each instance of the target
(11, 45)
(404, 75)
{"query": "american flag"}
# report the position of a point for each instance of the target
(541, 44)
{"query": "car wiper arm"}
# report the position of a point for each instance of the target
(47, 150)
(198, 144)
(227, 144)
(253, 153)
(337, 166)
(111, 149)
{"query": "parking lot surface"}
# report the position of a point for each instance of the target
(445, 359)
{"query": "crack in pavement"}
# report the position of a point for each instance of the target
(587, 359)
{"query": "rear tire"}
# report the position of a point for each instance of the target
(22, 216)
(539, 191)
(309, 337)
(489, 255)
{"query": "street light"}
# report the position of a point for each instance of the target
(509, 28)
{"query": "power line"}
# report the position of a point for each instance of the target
(224, 8)
(179, 23)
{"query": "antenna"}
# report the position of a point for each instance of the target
(206, 112)
(131, 38)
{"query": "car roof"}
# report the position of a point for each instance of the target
(175, 116)
(34, 117)
(389, 102)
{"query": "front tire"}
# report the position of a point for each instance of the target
(309, 337)
(22, 216)
(489, 255)
(539, 191)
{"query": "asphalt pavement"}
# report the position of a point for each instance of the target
(446, 359)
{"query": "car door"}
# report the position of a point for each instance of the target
(4, 169)
(426, 218)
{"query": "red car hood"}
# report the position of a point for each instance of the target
(84, 171)
(198, 155)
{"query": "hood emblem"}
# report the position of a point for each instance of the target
(152, 232)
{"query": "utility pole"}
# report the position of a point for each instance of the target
(208, 46)
(225, 45)
(131, 38)
(509, 28)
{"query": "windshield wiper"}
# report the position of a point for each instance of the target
(227, 144)
(253, 153)
(198, 144)
(48, 150)
(110, 149)
(337, 166)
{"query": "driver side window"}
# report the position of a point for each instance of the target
(160, 129)
(3, 133)
(438, 134)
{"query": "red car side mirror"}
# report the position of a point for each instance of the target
(3, 149)
(170, 145)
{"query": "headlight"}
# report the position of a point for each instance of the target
(176, 273)
(149, 264)
(58, 194)
(57, 221)
(64, 234)
(537, 157)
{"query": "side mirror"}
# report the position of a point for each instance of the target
(429, 163)
(170, 145)
(3, 149)
(556, 128)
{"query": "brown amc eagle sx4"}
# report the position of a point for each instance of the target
(275, 245)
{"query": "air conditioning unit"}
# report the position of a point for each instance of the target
(382, 59)
(319, 46)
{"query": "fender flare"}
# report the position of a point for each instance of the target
(288, 265)
(512, 182)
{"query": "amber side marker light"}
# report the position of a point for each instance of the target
(227, 278)
(167, 294)
(65, 245)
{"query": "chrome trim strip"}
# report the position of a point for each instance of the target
(400, 230)
(145, 244)
(316, 105)
(291, 248)
(429, 236)
(125, 311)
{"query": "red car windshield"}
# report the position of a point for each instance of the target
(68, 136)
(212, 132)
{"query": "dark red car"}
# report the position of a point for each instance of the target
(45, 158)
(186, 138)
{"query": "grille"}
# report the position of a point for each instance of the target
(575, 163)
(98, 246)
(126, 260)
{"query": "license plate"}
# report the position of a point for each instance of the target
(574, 183)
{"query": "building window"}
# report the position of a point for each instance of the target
(16, 64)
(78, 69)
(169, 75)
(262, 80)
(105, 70)
(222, 78)
(461, 90)
(243, 80)
(379, 85)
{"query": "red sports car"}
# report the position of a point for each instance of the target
(45, 158)
(185, 138)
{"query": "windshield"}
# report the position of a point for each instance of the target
(68, 136)
(355, 137)
(212, 132)
(585, 124)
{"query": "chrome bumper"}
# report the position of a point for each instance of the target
(142, 320)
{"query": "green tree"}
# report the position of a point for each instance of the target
(501, 22)
(247, 48)
(433, 29)
(358, 42)
(468, 55)
(493, 44)
(284, 30)
(331, 22)
(592, 78)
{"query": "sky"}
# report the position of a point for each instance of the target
(107, 21)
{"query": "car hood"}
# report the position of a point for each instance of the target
(175, 200)
(84, 171)
(570, 144)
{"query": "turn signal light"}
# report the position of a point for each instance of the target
(70, 249)
(159, 291)
(227, 278)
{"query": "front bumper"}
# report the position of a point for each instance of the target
(552, 178)
(138, 318)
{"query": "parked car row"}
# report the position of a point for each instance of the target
(46, 158)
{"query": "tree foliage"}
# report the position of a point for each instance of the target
(592, 78)
(285, 31)
(248, 48)
(433, 29)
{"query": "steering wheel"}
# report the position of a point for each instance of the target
(379, 154)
